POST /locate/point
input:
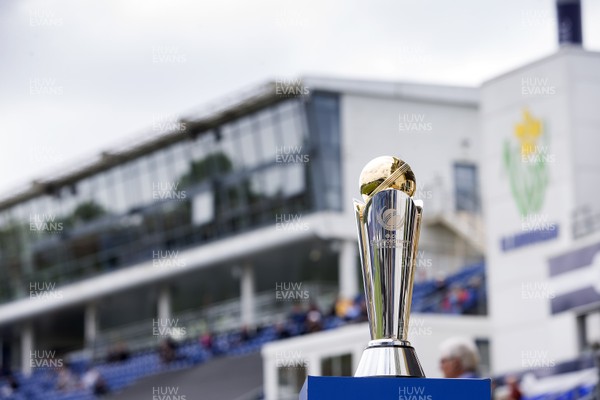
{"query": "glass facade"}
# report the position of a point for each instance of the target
(238, 176)
(466, 187)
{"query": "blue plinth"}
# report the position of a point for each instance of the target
(346, 388)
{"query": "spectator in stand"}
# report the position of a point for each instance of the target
(514, 392)
(440, 284)
(119, 352)
(314, 319)
(459, 358)
(246, 334)
(463, 299)
(282, 331)
(66, 381)
(341, 307)
(167, 350)
(474, 302)
(11, 386)
(206, 341)
(333, 310)
(298, 319)
(445, 303)
(362, 306)
(453, 302)
(260, 329)
(353, 312)
(94, 382)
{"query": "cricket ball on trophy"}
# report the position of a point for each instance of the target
(381, 168)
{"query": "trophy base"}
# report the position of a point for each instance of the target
(389, 358)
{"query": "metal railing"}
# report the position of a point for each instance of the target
(220, 317)
(138, 244)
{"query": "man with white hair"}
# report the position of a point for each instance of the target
(459, 358)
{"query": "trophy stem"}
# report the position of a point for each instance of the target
(388, 234)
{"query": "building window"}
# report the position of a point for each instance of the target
(290, 381)
(323, 119)
(485, 365)
(267, 135)
(466, 187)
(588, 327)
(337, 365)
(203, 208)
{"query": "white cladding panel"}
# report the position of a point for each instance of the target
(585, 73)
(518, 280)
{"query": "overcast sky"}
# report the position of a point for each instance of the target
(79, 76)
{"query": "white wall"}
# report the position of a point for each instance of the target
(584, 71)
(522, 324)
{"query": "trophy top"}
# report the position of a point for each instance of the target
(386, 172)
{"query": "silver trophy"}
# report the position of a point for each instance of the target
(388, 224)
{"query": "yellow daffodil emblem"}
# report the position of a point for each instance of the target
(528, 131)
(526, 164)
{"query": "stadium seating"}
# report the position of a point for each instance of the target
(118, 375)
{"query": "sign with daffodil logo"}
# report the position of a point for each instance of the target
(525, 158)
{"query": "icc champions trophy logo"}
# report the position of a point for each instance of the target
(390, 219)
(526, 162)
